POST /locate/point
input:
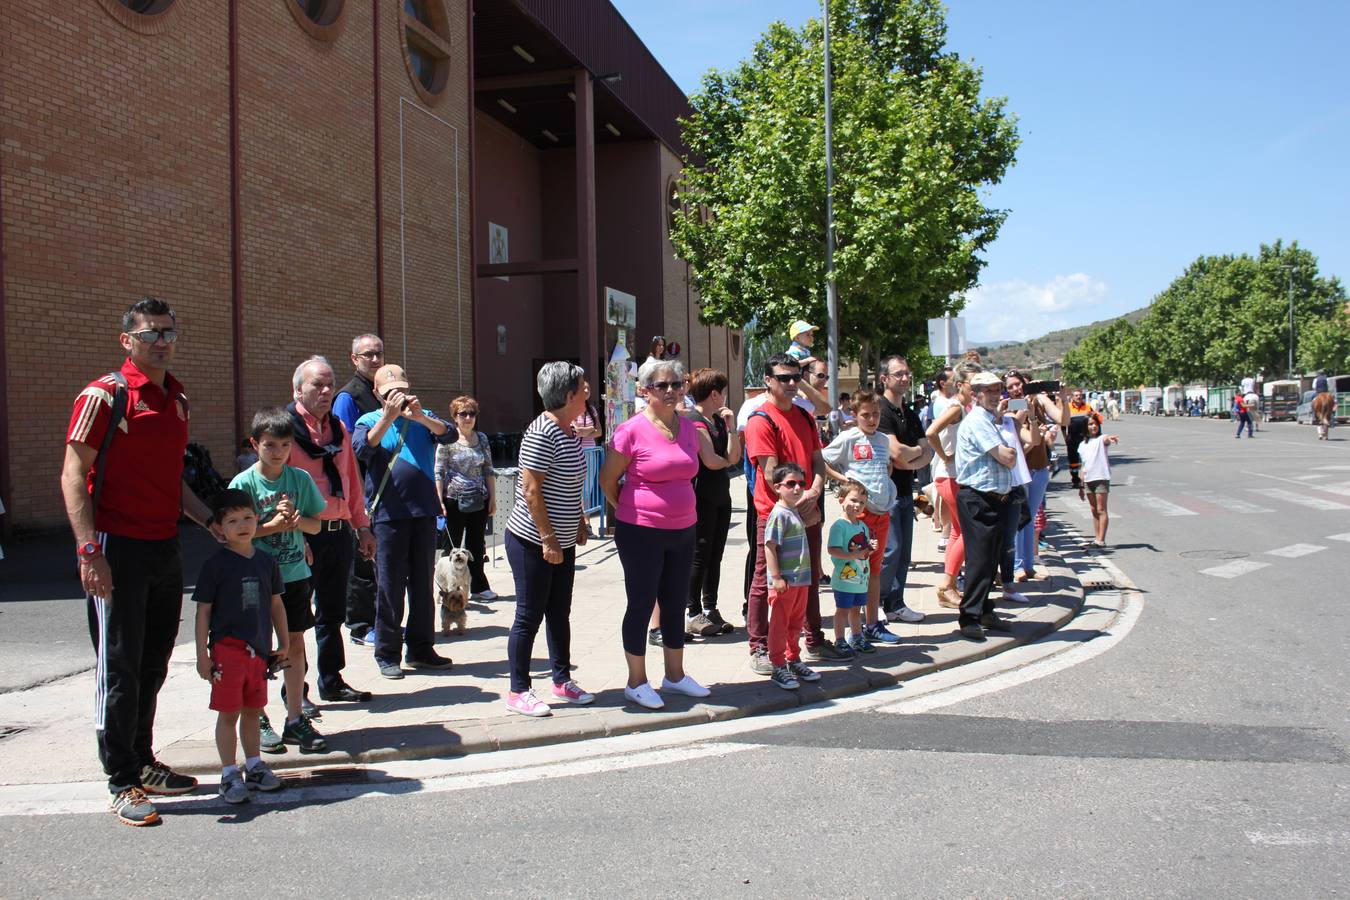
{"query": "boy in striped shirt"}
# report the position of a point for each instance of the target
(787, 564)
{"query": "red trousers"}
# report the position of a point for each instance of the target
(787, 614)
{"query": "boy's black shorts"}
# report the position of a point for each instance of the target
(299, 611)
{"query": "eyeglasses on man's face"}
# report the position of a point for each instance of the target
(151, 335)
(371, 354)
(903, 373)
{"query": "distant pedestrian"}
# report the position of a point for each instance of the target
(1240, 413)
(124, 494)
(788, 569)
(1097, 478)
(239, 607)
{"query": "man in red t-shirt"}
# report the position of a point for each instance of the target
(776, 433)
(128, 549)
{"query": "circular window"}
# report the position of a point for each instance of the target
(322, 19)
(145, 16)
(426, 46)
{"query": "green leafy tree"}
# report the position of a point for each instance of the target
(914, 146)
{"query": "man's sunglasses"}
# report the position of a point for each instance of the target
(791, 483)
(788, 377)
(151, 335)
(663, 386)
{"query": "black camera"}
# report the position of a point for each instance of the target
(1041, 387)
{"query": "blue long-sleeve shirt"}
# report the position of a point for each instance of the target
(411, 491)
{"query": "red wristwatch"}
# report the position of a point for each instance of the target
(89, 550)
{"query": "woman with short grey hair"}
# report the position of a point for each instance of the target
(655, 454)
(546, 526)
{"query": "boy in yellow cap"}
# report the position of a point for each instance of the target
(803, 335)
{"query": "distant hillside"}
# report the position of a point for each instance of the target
(1045, 351)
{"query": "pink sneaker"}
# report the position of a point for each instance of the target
(527, 704)
(572, 693)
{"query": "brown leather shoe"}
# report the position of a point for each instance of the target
(949, 597)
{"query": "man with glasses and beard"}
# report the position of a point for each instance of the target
(357, 398)
(778, 433)
(909, 451)
(123, 489)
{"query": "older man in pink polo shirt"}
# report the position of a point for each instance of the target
(323, 448)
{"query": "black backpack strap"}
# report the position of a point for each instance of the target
(119, 412)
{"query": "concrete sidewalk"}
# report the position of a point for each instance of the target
(50, 733)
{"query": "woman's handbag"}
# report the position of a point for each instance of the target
(471, 501)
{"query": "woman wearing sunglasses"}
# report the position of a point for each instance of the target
(656, 454)
(468, 492)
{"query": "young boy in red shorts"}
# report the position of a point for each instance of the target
(238, 598)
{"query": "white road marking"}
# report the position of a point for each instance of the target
(1339, 537)
(1332, 468)
(1291, 838)
(1294, 551)
(1299, 499)
(1161, 506)
(1130, 479)
(1343, 488)
(1229, 502)
(1235, 568)
(1313, 477)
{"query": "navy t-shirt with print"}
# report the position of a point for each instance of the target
(240, 591)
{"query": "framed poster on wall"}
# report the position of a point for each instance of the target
(620, 368)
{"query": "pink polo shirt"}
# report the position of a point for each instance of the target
(657, 489)
(352, 504)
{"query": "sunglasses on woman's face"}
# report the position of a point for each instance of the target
(663, 386)
(466, 414)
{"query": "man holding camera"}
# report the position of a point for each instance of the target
(398, 445)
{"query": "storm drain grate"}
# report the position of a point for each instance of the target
(317, 777)
(1098, 585)
(11, 730)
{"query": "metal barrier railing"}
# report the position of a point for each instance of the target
(592, 497)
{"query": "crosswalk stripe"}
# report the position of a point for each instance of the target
(1339, 537)
(1332, 468)
(1230, 503)
(1294, 551)
(1235, 568)
(1312, 477)
(1298, 499)
(1342, 488)
(1161, 506)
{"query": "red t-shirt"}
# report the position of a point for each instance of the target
(142, 487)
(796, 440)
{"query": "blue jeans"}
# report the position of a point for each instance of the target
(543, 595)
(895, 561)
(1026, 538)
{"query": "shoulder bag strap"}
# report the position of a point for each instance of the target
(119, 412)
(374, 504)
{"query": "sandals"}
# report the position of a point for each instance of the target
(949, 597)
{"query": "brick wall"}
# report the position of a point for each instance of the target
(115, 168)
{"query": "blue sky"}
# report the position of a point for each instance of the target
(1152, 133)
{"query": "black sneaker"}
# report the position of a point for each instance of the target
(132, 807)
(723, 626)
(157, 778)
(824, 651)
(302, 734)
(270, 741)
(654, 637)
(429, 660)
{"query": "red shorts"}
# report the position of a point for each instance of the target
(243, 677)
(879, 524)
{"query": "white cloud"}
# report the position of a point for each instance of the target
(1019, 310)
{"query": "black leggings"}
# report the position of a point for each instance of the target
(656, 564)
(467, 530)
(714, 522)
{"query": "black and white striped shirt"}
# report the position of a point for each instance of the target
(551, 451)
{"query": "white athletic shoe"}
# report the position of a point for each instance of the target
(686, 685)
(644, 695)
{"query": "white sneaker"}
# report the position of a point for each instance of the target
(686, 685)
(1015, 597)
(644, 695)
(485, 595)
(907, 615)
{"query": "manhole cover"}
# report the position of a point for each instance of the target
(10, 730)
(1213, 554)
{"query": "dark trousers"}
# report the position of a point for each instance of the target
(329, 574)
(404, 562)
(710, 540)
(1007, 557)
(656, 564)
(361, 594)
(757, 612)
(896, 558)
(543, 594)
(467, 530)
(133, 637)
(1073, 437)
(1244, 418)
(984, 522)
(751, 523)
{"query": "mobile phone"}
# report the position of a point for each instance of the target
(1017, 405)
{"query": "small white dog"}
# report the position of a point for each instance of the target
(452, 588)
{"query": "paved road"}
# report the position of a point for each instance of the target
(1205, 754)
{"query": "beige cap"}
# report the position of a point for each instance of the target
(983, 379)
(389, 377)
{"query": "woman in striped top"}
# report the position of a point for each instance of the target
(545, 528)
